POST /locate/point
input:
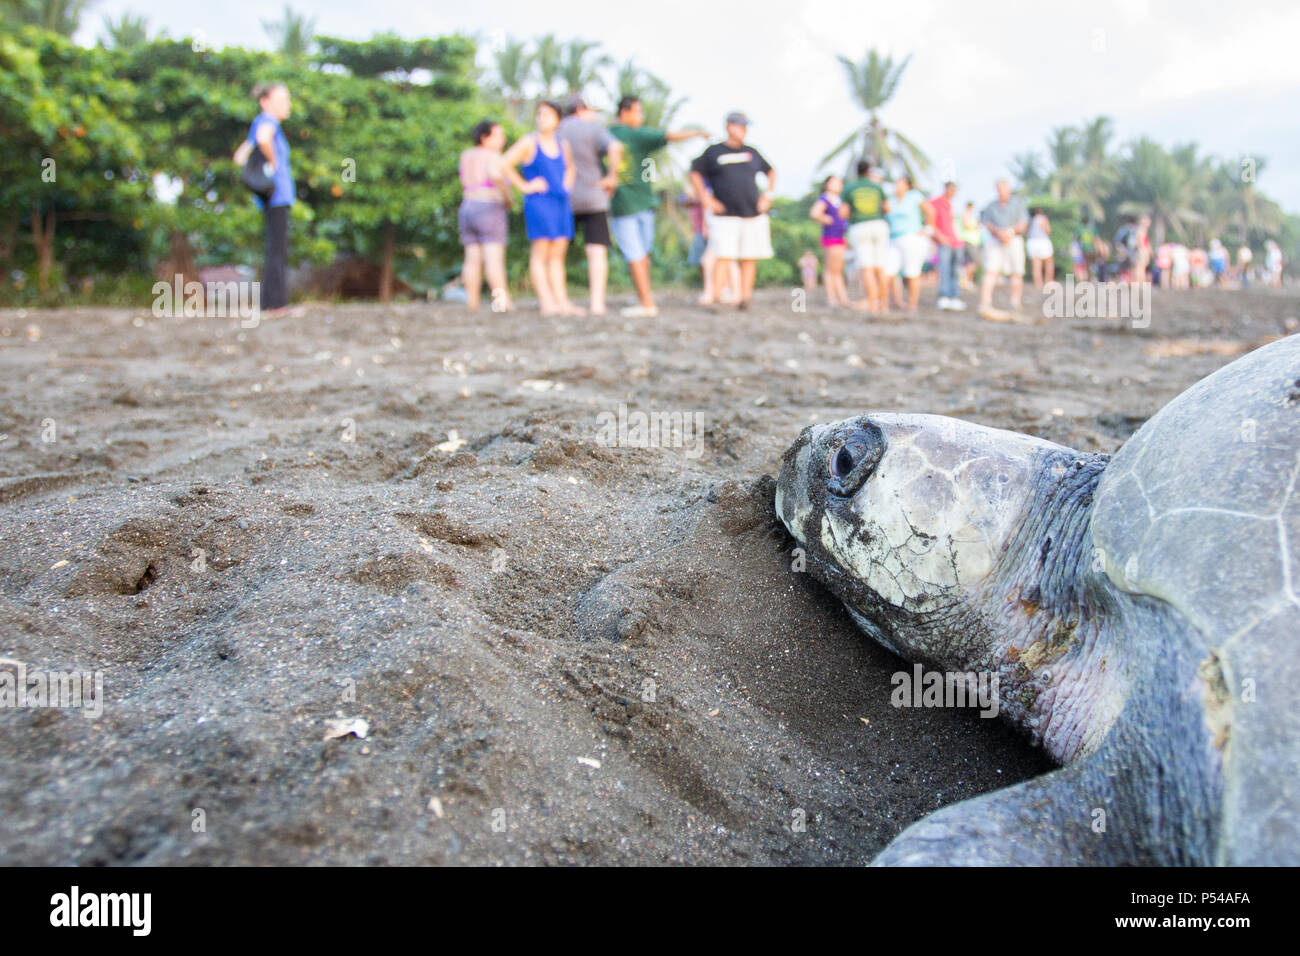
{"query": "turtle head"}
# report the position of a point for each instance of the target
(964, 548)
(902, 516)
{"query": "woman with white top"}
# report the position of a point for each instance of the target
(1038, 245)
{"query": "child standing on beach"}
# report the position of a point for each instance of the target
(808, 270)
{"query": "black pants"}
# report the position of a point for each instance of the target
(275, 273)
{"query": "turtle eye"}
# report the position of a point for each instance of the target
(846, 459)
(854, 459)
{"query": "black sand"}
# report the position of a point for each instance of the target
(600, 650)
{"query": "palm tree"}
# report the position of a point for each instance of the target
(513, 64)
(1065, 179)
(548, 57)
(627, 80)
(873, 81)
(1028, 172)
(294, 35)
(578, 68)
(1166, 186)
(1236, 205)
(125, 33)
(57, 16)
(1099, 175)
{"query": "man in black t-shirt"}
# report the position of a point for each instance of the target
(735, 211)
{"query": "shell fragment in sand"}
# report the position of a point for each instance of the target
(346, 726)
(453, 443)
(588, 762)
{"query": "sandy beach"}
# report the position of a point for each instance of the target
(565, 650)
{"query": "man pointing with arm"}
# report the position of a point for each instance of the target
(633, 206)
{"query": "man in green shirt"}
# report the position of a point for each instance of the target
(868, 234)
(632, 209)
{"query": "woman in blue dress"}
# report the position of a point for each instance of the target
(541, 167)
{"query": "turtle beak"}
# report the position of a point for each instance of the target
(853, 453)
(792, 486)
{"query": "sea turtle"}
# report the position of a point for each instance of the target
(1140, 613)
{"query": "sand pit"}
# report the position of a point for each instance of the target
(563, 650)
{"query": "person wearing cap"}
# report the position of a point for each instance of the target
(632, 207)
(591, 143)
(724, 179)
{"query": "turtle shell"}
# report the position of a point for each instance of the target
(1201, 509)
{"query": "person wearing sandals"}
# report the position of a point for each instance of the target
(541, 167)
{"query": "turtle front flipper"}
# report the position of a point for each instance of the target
(1050, 820)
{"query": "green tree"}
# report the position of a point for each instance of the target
(294, 34)
(873, 81)
(125, 32)
(1237, 208)
(71, 150)
(1027, 170)
(513, 65)
(401, 140)
(548, 59)
(1065, 179)
(56, 16)
(580, 68)
(1167, 186)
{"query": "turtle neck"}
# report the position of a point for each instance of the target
(1042, 609)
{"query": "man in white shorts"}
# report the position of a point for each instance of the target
(724, 179)
(868, 236)
(1006, 220)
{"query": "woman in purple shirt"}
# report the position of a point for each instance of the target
(829, 210)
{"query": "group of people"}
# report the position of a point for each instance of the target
(1171, 265)
(574, 173)
(888, 233)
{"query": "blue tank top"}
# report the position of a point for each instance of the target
(550, 168)
(839, 216)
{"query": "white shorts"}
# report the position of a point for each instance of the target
(893, 263)
(1039, 248)
(869, 242)
(913, 249)
(1008, 259)
(731, 237)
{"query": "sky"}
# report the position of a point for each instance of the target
(986, 81)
